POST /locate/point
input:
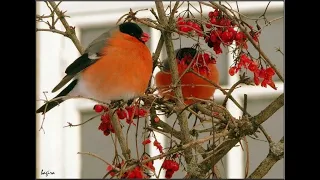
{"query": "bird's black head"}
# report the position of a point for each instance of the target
(180, 53)
(134, 30)
(185, 51)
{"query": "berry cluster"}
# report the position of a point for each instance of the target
(189, 26)
(221, 31)
(199, 63)
(129, 113)
(112, 171)
(170, 166)
(133, 174)
(105, 125)
(259, 73)
(136, 173)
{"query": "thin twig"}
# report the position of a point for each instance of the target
(74, 125)
(94, 155)
(53, 30)
(69, 31)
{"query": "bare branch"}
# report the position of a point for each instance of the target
(119, 134)
(69, 31)
(182, 118)
(53, 31)
(276, 153)
(269, 110)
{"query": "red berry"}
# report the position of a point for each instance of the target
(211, 14)
(180, 23)
(262, 73)
(216, 13)
(252, 66)
(239, 36)
(110, 168)
(230, 29)
(169, 174)
(98, 108)
(140, 112)
(196, 26)
(213, 37)
(224, 36)
(232, 71)
(213, 21)
(121, 113)
(189, 23)
(270, 71)
(271, 84)
(256, 80)
(226, 22)
(264, 83)
(206, 57)
(174, 166)
(203, 71)
(130, 110)
(244, 59)
(184, 29)
(256, 72)
(231, 35)
(147, 141)
(208, 25)
(217, 49)
(103, 126)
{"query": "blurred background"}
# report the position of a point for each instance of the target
(57, 147)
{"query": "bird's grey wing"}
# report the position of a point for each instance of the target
(91, 54)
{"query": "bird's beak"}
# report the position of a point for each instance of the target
(145, 37)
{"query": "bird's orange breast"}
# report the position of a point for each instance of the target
(192, 85)
(123, 71)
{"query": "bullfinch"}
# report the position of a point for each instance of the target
(117, 65)
(193, 87)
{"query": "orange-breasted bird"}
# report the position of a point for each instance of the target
(193, 87)
(116, 65)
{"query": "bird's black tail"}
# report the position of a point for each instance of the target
(49, 105)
